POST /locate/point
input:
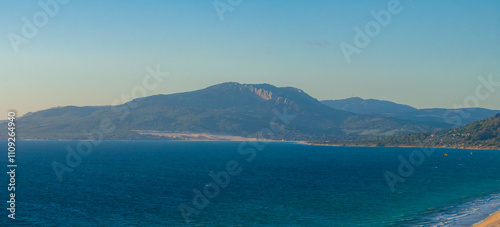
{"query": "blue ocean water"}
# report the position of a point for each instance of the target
(143, 183)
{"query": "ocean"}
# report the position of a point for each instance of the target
(186, 183)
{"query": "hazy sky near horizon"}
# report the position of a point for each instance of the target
(430, 54)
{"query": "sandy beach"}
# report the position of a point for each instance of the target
(492, 221)
(202, 136)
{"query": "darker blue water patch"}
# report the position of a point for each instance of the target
(142, 183)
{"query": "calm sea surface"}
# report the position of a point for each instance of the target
(170, 183)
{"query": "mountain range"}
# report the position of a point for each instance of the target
(238, 110)
(453, 117)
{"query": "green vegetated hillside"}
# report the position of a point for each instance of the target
(223, 109)
(481, 134)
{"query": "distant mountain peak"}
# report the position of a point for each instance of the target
(354, 98)
(405, 112)
(367, 106)
(233, 94)
(264, 91)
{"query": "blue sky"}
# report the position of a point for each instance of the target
(91, 52)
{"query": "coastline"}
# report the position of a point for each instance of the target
(403, 146)
(492, 221)
(243, 139)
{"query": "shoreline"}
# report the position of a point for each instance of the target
(202, 136)
(492, 221)
(403, 146)
(243, 139)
